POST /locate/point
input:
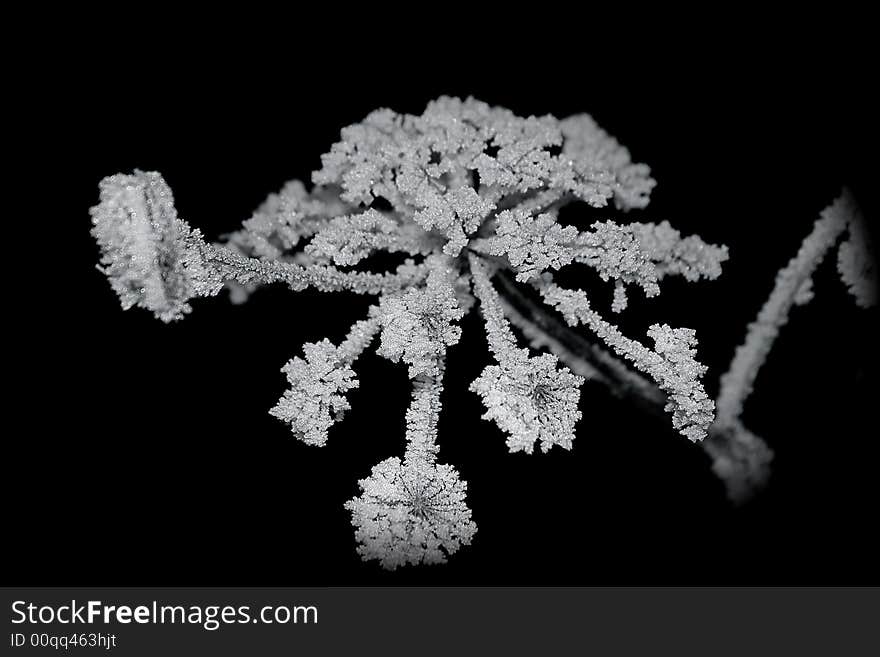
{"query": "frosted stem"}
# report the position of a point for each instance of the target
(422, 417)
(580, 354)
(229, 265)
(501, 339)
(740, 458)
(737, 382)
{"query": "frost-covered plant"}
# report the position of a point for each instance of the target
(470, 195)
(740, 458)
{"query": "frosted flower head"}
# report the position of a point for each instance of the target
(144, 246)
(464, 194)
(410, 513)
(316, 397)
(448, 168)
(417, 326)
(531, 400)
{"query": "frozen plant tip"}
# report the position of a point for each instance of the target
(145, 248)
(469, 195)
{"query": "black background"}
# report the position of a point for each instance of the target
(143, 453)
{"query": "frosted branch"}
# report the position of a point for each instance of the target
(535, 244)
(531, 399)
(671, 364)
(501, 339)
(638, 254)
(222, 265)
(318, 384)
(348, 240)
(581, 355)
(738, 381)
(740, 458)
(284, 219)
(672, 254)
(155, 260)
(413, 511)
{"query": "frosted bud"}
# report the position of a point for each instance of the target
(145, 248)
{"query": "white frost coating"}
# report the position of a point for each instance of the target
(462, 189)
(457, 213)
(414, 511)
(144, 246)
(221, 265)
(423, 414)
(349, 239)
(595, 152)
(672, 364)
(411, 512)
(155, 260)
(425, 165)
(284, 219)
(502, 342)
(530, 399)
(738, 381)
(417, 325)
(316, 397)
(672, 254)
(533, 245)
(639, 254)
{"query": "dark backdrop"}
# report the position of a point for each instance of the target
(142, 453)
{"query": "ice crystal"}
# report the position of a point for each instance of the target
(469, 195)
(316, 398)
(411, 512)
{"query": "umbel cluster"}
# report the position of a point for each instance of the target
(470, 195)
